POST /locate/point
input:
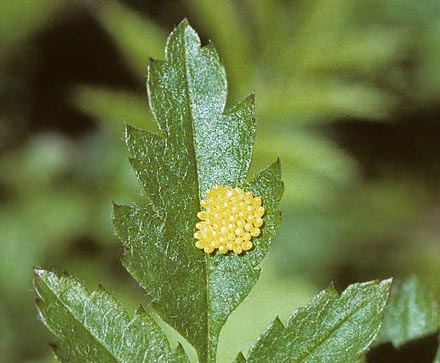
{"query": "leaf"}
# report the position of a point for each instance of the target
(94, 327)
(411, 313)
(179, 355)
(240, 358)
(330, 329)
(223, 19)
(201, 145)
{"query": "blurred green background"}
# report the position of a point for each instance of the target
(348, 95)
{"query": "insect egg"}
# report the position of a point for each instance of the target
(230, 218)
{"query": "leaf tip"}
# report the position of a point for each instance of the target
(277, 320)
(127, 131)
(124, 259)
(152, 60)
(251, 100)
(100, 287)
(184, 21)
(182, 26)
(387, 282)
(54, 347)
(209, 44)
(330, 289)
(179, 349)
(140, 311)
(115, 205)
(275, 169)
(116, 208)
(386, 286)
(383, 285)
(39, 272)
(257, 269)
(240, 358)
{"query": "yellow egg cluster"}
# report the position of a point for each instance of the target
(231, 217)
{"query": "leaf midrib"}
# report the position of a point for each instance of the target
(194, 142)
(332, 331)
(112, 355)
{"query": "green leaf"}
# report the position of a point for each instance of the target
(179, 355)
(224, 22)
(240, 358)
(330, 329)
(94, 327)
(201, 145)
(411, 313)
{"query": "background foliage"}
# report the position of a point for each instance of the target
(347, 94)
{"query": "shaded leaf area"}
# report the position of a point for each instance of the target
(240, 358)
(411, 313)
(201, 145)
(332, 328)
(95, 327)
(420, 350)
